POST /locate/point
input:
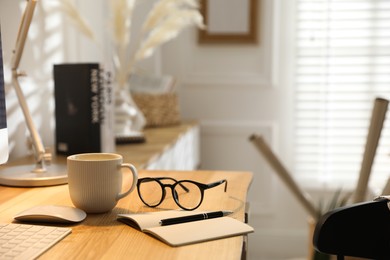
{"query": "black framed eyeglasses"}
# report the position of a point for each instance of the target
(187, 194)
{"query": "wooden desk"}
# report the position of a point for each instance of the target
(100, 236)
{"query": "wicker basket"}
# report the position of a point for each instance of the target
(158, 109)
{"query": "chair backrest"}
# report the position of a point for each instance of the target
(360, 230)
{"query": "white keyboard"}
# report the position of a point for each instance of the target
(20, 241)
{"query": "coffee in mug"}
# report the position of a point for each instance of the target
(95, 180)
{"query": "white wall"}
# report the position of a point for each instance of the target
(233, 91)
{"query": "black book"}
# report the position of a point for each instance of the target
(82, 111)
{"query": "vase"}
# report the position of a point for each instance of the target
(129, 120)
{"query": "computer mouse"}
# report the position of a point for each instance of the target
(51, 214)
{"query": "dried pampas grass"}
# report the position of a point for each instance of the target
(165, 21)
(69, 8)
(166, 30)
(122, 11)
(164, 8)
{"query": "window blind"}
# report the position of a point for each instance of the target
(342, 65)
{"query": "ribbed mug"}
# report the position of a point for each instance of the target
(95, 180)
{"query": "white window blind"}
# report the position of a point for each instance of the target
(342, 65)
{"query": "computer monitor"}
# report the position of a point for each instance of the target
(3, 113)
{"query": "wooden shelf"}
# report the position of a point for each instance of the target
(160, 142)
(166, 148)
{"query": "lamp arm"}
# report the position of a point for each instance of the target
(40, 154)
(22, 33)
(39, 151)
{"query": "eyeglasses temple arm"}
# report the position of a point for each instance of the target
(214, 184)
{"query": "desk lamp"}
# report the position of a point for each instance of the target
(44, 173)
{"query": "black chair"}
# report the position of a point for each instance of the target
(358, 230)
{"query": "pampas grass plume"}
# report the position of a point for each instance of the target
(167, 30)
(165, 21)
(163, 9)
(70, 9)
(121, 20)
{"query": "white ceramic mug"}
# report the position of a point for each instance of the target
(95, 180)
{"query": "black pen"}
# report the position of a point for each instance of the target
(202, 216)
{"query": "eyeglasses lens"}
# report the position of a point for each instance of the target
(151, 192)
(188, 199)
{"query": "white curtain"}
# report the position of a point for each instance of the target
(342, 65)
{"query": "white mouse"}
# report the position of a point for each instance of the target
(52, 214)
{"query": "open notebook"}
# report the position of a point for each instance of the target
(184, 233)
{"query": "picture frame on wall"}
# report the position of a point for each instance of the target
(229, 21)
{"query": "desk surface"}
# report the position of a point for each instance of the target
(100, 236)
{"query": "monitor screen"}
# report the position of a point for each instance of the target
(3, 113)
